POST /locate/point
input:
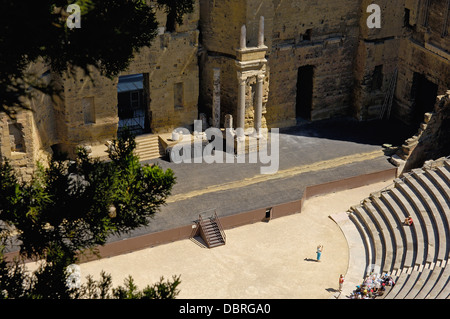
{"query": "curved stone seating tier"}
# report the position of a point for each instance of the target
(386, 236)
(415, 256)
(373, 235)
(405, 233)
(442, 216)
(430, 239)
(431, 218)
(400, 194)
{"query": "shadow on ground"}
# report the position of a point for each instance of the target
(374, 132)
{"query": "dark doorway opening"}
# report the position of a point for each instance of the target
(304, 92)
(424, 94)
(132, 104)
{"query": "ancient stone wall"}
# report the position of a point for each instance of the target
(26, 137)
(297, 34)
(431, 141)
(377, 57)
(424, 51)
(171, 59)
(320, 34)
(353, 66)
(86, 112)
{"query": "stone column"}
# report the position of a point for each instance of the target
(241, 105)
(243, 37)
(228, 121)
(216, 99)
(259, 102)
(261, 32)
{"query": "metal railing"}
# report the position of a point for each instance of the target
(222, 231)
(216, 220)
(201, 222)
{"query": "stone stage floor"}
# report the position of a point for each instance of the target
(310, 154)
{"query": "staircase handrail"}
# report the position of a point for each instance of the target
(201, 225)
(222, 231)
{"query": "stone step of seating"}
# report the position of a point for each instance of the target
(396, 235)
(357, 253)
(435, 273)
(415, 256)
(406, 234)
(444, 173)
(447, 163)
(377, 256)
(440, 182)
(423, 278)
(426, 211)
(417, 233)
(386, 292)
(441, 216)
(445, 292)
(433, 190)
(384, 230)
(408, 284)
(440, 284)
(399, 281)
(367, 241)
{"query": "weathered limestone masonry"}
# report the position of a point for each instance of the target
(170, 60)
(314, 60)
(424, 58)
(87, 113)
(377, 57)
(431, 141)
(322, 34)
(352, 64)
(27, 137)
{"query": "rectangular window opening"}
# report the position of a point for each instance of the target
(16, 137)
(307, 35)
(88, 110)
(178, 95)
(407, 18)
(377, 78)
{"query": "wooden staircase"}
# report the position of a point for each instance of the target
(211, 231)
(148, 147)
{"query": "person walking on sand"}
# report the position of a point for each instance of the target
(319, 252)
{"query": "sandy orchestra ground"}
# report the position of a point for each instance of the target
(274, 260)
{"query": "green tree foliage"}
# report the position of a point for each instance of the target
(72, 207)
(175, 10)
(102, 289)
(111, 32)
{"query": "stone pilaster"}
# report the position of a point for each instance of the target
(216, 99)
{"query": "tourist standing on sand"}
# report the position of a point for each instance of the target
(341, 282)
(319, 252)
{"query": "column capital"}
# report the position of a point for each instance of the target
(241, 78)
(260, 77)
